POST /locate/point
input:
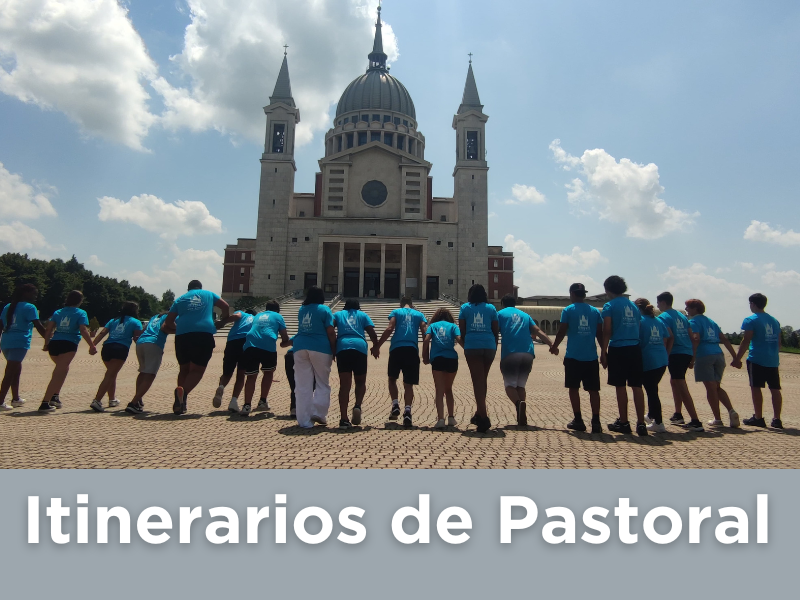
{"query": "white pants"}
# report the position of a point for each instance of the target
(310, 366)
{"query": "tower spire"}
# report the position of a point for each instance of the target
(377, 58)
(283, 87)
(470, 100)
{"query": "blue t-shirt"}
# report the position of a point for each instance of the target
(709, 335)
(196, 311)
(350, 325)
(68, 322)
(765, 346)
(625, 319)
(443, 339)
(240, 327)
(406, 330)
(21, 330)
(652, 334)
(152, 334)
(264, 331)
(582, 320)
(478, 320)
(313, 321)
(121, 332)
(679, 324)
(515, 327)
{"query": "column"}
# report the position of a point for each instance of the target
(383, 271)
(320, 254)
(340, 278)
(361, 271)
(424, 271)
(403, 270)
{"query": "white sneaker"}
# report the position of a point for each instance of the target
(17, 402)
(245, 412)
(320, 420)
(451, 422)
(234, 405)
(113, 403)
(734, 417)
(714, 423)
(5, 406)
(648, 420)
(97, 406)
(656, 427)
(439, 424)
(217, 401)
(262, 405)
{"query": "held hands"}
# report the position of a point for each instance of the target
(375, 351)
(554, 350)
(737, 363)
(426, 360)
(604, 360)
(691, 363)
(92, 350)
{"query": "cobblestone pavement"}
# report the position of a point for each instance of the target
(75, 437)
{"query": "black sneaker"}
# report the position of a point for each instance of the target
(677, 419)
(55, 401)
(619, 427)
(754, 422)
(134, 408)
(184, 408)
(596, 427)
(641, 429)
(484, 423)
(45, 407)
(694, 425)
(474, 419)
(177, 406)
(395, 412)
(577, 424)
(522, 414)
(776, 424)
(345, 424)
(407, 418)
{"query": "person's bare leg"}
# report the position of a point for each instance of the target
(361, 388)
(266, 383)
(226, 379)
(594, 401)
(575, 400)
(758, 402)
(345, 383)
(183, 373)
(193, 377)
(713, 399)
(60, 372)
(622, 403)
(638, 403)
(393, 391)
(724, 399)
(513, 395)
(448, 392)
(408, 393)
(239, 383)
(11, 380)
(440, 383)
(143, 383)
(777, 403)
(477, 372)
(677, 394)
(108, 385)
(250, 387)
(686, 398)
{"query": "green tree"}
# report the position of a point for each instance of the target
(167, 298)
(246, 302)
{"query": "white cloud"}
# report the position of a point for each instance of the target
(94, 261)
(19, 200)
(552, 273)
(781, 278)
(185, 265)
(82, 58)
(622, 192)
(18, 237)
(762, 232)
(184, 217)
(492, 215)
(524, 194)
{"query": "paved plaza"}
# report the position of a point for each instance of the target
(76, 437)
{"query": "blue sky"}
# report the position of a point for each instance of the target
(678, 128)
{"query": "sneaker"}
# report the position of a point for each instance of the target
(5, 406)
(55, 401)
(17, 402)
(656, 428)
(451, 422)
(715, 423)
(319, 420)
(522, 416)
(293, 412)
(46, 407)
(96, 406)
(474, 419)
(113, 403)
(184, 407)
(484, 424)
(356, 415)
(619, 427)
(596, 426)
(178, 403)
(263, 404)
(345, 424)
(576, 424)
(245, 412)
(233, 406)
(754, 422)
(648, 419)
(134, 408)
(677, 419)
(776, 424)
(395, 411)
(734, 417)
(695, 425)
(641, 430)
(217, 401)
(439, 424)
(407, 418)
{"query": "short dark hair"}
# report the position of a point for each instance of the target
(129, 309)
(315, 295)
(406, 301)
(273, 306)
(352, 304)
(616, 285)
(477, 294)
(697, 305)
(760, 300)
(508, 300)
(74, 298)
(252, 311)
(195, 284)
(665, 297)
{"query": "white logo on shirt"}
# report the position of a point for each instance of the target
(628, 312)
(768, 330)
(679, 324)
(710, 332)
(306, 321)
(64, 322)
(584, 321)
(196, 303)
(352, 320)
(441, 332)
(120, 329)
(477, 322)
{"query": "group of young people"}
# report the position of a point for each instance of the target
(636, 346)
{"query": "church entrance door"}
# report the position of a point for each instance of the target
(432, 287)
(350, 289)
(372, 284)
(392, 284)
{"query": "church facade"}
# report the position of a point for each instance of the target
(372, 227)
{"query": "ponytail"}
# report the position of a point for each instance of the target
(645, 307)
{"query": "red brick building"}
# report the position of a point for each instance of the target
(237, 271)
(501, 273)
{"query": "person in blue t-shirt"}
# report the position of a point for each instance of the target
(62, 335)
(261, 350)
(762, 341)
(352, 326)
(194, 337)
(655, 340)
(709, 361)
(234, 348)
(314, 350)
(681, 358)
(439, 351)
(406, 323)
(17, 321)
(621, 320)
(121, 331)
(480, 330)
(581, 324)
(516, 356)
(149, 352)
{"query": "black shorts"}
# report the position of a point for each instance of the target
(761, 376)
(351, 361)
(405, 359)
(57, 347)
(195, 347)
(678, 365)
(625, 366)
(444, 364)
(233, 354)
(114, 351)
(582, 371)
(253, 358)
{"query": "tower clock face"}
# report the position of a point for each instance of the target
(374, 193)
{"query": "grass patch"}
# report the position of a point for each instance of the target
(790, 350)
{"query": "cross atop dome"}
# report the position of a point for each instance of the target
(377, 58)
